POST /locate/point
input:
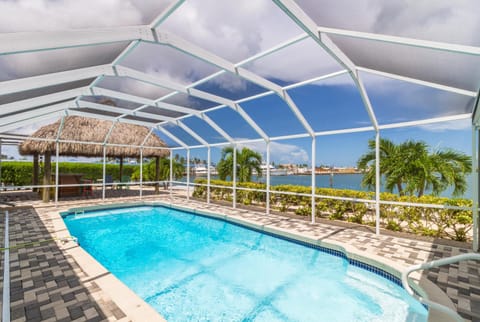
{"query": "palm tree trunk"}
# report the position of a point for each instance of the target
(400, 189)
(421, 191)
(36, 171)
(157, 174)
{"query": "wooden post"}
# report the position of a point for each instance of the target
(36, 171)
(47, 174)
(157, 174)
(121, 169)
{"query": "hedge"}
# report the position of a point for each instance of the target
(20, 173)
(439, 223)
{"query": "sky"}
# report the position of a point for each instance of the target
(236, 30)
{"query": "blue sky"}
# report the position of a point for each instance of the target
(335, 104)
(338, 106)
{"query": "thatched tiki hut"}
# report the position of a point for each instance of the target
(81, 129)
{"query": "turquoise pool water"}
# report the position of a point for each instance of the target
(192, 268)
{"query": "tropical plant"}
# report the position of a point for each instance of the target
(148, 172)
(247, 161)
(412, 169)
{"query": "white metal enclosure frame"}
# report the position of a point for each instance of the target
(74, 101)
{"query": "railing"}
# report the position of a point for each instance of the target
(436, 263)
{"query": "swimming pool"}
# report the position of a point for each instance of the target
(193, 268)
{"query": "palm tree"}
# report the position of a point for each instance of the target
(149, 170)
(366, 163)
(247, 161)
(411, 169)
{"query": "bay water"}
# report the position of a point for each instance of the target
(338, 181)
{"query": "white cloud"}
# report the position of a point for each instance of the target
(460, 125)
(233, 30)
(280, 152)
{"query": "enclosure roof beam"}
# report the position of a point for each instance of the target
(174, 5)
(29, 103)
(21, 42)
(311, 28)
(35, 82)
(202, 54)
(124, 111)
(17, 117)
(191, 132)
(455, 48)
(142, 100)
(445, 88)
(157, 81)
(29, 119)
(75, 111)
(173, 137)
(216, 127)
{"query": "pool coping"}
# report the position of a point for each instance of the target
(421, 286)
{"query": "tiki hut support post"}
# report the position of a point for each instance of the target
(47, 173)
(141, 171)
(120, 169)
(36, 171)
(157, 174)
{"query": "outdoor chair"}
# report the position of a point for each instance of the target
(124, 183)
(109, 181)
(87, 190)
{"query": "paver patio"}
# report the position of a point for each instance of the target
(48, 284)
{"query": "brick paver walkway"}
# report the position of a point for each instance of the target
(47, 285)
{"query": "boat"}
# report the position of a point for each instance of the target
(202, 171)
(273, 171)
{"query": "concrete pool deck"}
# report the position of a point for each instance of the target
(56, 280)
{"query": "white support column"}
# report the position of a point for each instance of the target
(267, 205)
(314, 148)
(103, 170)
(209, 160)
(57, 147)
(171, 172)
(141, 172)
(475, 178)
(188, 174)
(234, 177)
(377, 183)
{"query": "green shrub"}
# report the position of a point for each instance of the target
(19, 173)
(439, 223)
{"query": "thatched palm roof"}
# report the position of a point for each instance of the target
(84, 129)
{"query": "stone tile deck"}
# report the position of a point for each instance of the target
(47, 284)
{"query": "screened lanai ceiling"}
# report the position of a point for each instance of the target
(202, 72)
